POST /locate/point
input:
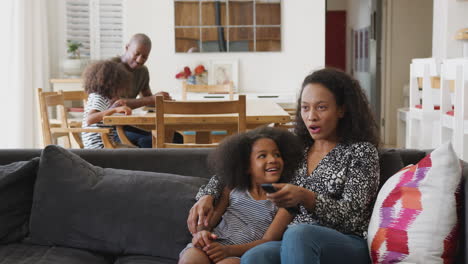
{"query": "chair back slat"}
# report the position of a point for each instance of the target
(197, 108)
(76, 96)
(46, 135)
(54, 100)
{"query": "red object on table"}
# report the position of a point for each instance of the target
(436, 107)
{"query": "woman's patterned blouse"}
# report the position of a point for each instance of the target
(346, 182)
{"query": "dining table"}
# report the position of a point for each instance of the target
(258, 113)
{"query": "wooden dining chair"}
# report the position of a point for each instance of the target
(52, 120)
(198, 88)
(62, 128)
(196, 108)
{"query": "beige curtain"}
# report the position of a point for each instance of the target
(24, 67)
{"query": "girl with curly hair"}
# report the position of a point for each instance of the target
(335, 183)
(243, 162)
(104, 81)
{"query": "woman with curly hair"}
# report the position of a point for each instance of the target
(104, 81)
(243, 163)
(335, 184)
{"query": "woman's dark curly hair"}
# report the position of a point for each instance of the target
(230, 161)
(107, 78)
(358, 122)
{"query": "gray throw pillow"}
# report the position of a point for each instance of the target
(109, 210)
(16, 191)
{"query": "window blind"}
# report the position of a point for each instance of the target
(98, 25)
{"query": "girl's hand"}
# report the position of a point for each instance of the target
(202, 239)
(200, 213)
(288, 195)
(123, 109)
(216, 252)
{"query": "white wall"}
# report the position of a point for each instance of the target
(358, 17)
(449, 16)
(334, 5)
(303, 47)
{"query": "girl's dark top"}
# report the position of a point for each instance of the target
(346, 181)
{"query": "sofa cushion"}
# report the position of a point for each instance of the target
(16, 191)
(33, 254)
(144, 260)
(116, 211)
(193, 160)
(390, 163)
(415, 217)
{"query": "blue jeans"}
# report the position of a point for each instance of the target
(138, 137)
(311, 244)
(143, 139)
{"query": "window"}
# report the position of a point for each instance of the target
(97, 25)
(227, 25)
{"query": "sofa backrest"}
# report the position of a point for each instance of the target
(188, 162)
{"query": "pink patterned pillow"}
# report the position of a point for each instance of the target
(415, 216)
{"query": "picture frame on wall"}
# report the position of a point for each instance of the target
(361, 50)
(356, 51)
(223, 71)
(366, 49)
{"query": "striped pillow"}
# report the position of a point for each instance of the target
(415, 216)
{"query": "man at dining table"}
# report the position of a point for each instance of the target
(136, 53)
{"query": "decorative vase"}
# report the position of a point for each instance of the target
(191, 80)
(72, 67)
(202, 78)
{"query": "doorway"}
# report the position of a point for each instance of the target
(352, 43)
(335, 39)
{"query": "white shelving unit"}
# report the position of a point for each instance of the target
(423, 119)
(454, 120)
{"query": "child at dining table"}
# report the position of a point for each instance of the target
(104, 81)
(243, 217)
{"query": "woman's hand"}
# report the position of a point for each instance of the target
(216, 252)
(202, 239)
(289, 195)
(200, 213)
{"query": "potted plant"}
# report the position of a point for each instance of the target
(73, 65)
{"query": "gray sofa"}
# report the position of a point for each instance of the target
(65, 208)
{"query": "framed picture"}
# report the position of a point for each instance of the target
(223, 71)
(366, 49)
(356, 48)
